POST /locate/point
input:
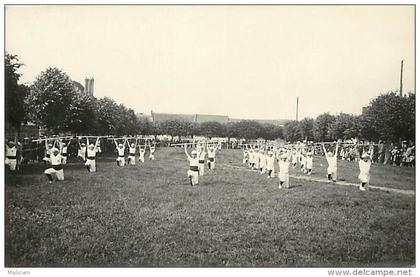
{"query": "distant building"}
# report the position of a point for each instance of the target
(200, 118)
(161, 117)
(277, 122)
(194, 118)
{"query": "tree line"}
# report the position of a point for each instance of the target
(54, 102)
(388, 117)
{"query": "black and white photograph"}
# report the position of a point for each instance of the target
(210, 136)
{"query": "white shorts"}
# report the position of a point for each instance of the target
(332, 170)
(364, 178)
(192, 173)
(194, 176)
(283, 176)
(92, 164)
(11, 163)
(121, 161)
(131, 160)
(58, 173)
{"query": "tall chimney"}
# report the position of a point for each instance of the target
(86, 85)
(91, 87)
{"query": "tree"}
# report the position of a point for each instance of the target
(127, 121)
(233, 130)
(82, 117)
(176, 128)
(145, 127)
(247, 129)
(50, 99)
(411, 116)
(291, 131)
(114, 119)
(322, 126)
(15, 93)
(344, 126)
(306, 127)
(107, 116)
(212, 129)
(390, 117)
(155, 129)
(271, 132)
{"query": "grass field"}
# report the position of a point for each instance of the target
(149, 215)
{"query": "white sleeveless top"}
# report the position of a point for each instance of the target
(56, 160)
(193, 161)
(121, 151)
(11, 151)
(284, 167)
(91, 153)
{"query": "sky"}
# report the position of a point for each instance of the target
(242, 61)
